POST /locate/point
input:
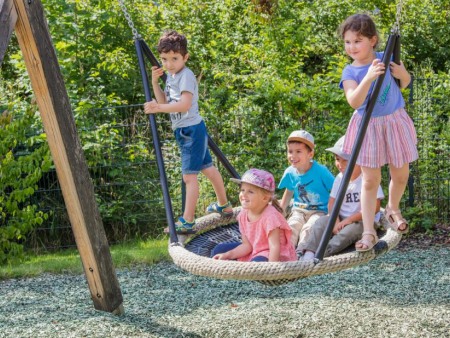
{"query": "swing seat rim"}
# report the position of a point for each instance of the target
(269, 273)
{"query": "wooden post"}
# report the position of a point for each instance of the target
(8, 17)
(77, 189)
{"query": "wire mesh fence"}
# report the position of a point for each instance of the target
(431, 173)
(122, 164)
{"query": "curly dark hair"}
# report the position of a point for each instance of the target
(173, 41)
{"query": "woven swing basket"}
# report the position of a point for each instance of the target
(192, 252)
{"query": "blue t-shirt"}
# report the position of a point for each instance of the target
(389, 98)
(311, 189)
(176, 84)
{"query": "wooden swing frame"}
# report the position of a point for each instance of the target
(26, 18)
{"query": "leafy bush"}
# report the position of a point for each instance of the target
(23, 160)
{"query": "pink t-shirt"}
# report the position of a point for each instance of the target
(257, 233)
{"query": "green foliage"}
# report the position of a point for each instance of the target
(425, 34)
(97, 61)
(23, 159)
(420, 217)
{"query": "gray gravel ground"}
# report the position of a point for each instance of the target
(400, 294)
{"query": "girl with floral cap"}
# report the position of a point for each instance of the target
(266, 235)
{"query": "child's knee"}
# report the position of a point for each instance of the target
(190, 178)
(210, 171)
(371, 178)
(371, 183)
(400, 179)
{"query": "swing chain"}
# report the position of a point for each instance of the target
(398, 16)
(129, 20)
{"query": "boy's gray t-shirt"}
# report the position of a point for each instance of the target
(183, 81)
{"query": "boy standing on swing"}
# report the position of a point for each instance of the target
(180, 99)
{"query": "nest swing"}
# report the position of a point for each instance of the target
(193, 255)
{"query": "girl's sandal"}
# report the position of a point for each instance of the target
(225, 209)
(369, 244)
(395, 220)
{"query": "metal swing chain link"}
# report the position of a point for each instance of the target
(398, 15)
(136, 35)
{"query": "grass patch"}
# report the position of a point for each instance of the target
(69, 262)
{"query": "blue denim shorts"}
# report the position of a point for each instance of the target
(193, 143)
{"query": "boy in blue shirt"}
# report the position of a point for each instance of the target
(180, 99)
(307, 182)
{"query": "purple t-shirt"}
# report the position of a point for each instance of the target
(389, 98)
